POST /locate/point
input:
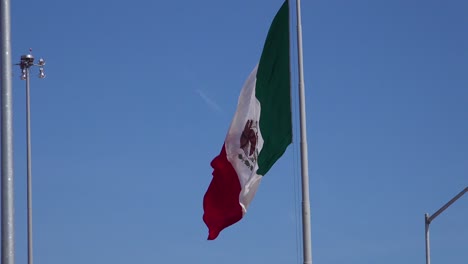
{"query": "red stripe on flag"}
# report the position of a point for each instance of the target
(221, 201)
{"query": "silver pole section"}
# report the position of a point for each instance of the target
(306, 230)
(429, 219)
(8, 228)
(27, 61)
(29, 170)
(428, 255)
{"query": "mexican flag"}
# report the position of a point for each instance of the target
(259, 134)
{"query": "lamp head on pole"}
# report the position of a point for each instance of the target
(41, 73)
(41, 62)
(27, 61)
(41, 68)
(23, 74)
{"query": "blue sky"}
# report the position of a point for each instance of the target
(139, 96)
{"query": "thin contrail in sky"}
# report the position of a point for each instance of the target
(212, 104)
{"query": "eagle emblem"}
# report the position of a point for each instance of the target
(248, 143)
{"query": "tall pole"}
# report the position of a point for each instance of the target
(306, 230)
(428, 219)
(29, 170)
(428, 249)
(27, 61)
(8, 227)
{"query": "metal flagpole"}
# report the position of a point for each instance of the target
(8, 228)
(429, 219)
(306, 230)
(27, 61)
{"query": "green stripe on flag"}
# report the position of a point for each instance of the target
(273, 92)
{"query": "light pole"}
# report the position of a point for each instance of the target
(428, 219)
(26, 62)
